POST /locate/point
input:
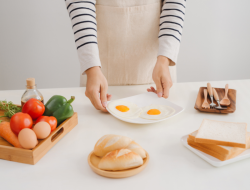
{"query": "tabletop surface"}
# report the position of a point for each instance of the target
(171, 165)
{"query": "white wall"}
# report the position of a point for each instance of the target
(37, 41)
(216, 41)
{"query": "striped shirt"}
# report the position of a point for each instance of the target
(83, 19)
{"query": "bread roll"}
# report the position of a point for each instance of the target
(134, 147)
(109, 143)
(120, 160)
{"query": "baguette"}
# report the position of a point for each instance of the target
(109, 143)
(133, 146)
(222, 133)
(120, 160)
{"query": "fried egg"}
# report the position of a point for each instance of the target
(156, 112)
(124, 109)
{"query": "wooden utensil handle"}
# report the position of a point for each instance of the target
(226, 90)
(205, 94)
(209, 89)
(216, 97)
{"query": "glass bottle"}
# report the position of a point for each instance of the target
(31, 92)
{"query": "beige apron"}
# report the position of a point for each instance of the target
(127, 35)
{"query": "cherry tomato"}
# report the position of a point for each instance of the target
(50, 120)
(20, 121)
(34, 108)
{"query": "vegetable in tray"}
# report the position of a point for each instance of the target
(59, 107)
(34, 120)
(9, 108)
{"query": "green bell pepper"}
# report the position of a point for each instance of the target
(54, 103)
(59, 107)
(65, 111)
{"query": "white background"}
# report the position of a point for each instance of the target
(37, 41)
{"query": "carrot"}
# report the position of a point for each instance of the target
(8, 135)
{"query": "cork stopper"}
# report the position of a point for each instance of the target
(30, 82)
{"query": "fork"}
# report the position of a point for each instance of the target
(210, 91)
(216, 97)
(205, 103)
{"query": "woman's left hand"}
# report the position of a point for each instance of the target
(161, 77)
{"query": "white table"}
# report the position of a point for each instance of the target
(171, 166)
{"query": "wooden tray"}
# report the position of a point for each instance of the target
(11, 153)
(94, 160)
(221, 92)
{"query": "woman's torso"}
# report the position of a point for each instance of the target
(127, 35)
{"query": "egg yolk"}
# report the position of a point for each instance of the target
(153, 112)
(122, 108)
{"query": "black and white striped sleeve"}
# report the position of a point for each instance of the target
(171, 26)
(83, 19)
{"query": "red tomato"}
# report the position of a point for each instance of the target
(50, 120)
(20, 121)
(34, 108)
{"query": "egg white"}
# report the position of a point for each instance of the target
(166, 111)
(133, 112)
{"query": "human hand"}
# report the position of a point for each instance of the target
(161, 77)
(97, 83)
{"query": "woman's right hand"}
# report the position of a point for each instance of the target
(97, 83)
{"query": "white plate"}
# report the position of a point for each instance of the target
(147, 99)
(212, 160)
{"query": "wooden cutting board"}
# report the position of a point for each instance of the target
(221, 92)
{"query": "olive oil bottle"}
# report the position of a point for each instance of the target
(31, 92)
